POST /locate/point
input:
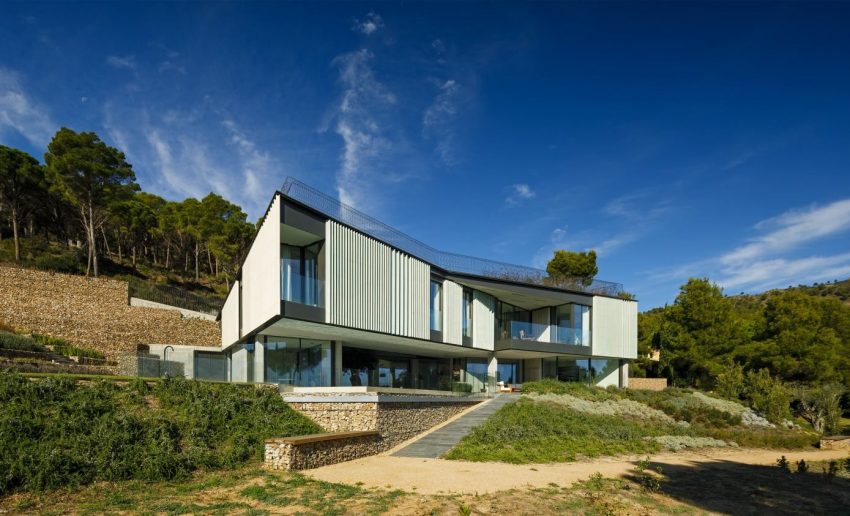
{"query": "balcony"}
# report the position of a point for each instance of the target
(302, 297)
(521, 335)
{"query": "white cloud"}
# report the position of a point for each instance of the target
(122, 62)
(792, 229)
(438, 120)
(362, 117)
(371, 24)
(763, 262)
(20, 113)
(518, 193)
(255, 164)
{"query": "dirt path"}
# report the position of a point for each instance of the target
(435, 476)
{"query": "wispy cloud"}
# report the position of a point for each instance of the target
(766, 260)
(256, 164)
(122, 62)
(20, 113)
(438, 119)
(360, 117)
(518, 193)
(369, 25)
(792, 229)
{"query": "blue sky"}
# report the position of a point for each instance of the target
(678, 139)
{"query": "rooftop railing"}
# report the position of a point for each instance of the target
(451, 262)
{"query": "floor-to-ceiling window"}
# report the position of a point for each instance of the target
(572, 324)
(299, 274)
(509, 371)
(466, 317)
(366, 367)
(514, 322)
(567, 369)
(298, 362)
(436, 306)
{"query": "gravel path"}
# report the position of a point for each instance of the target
(434, 476)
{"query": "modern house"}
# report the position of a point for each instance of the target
(328, 296)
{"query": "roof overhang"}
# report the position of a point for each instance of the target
(524, 296)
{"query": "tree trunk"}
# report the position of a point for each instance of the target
(134, 256)
(93, 248)
(197, 257)
(15, 234)
(209, 260)
(167, 254)
(105, 240)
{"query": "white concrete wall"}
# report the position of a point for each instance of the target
(614, 332)
(230, 317)
(452, 312)
(261, 273)
(239, 365)
(540, 320)
(175, 353)
(483, 320)
(373, 287)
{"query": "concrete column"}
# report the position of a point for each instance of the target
(337, 361)
(533, 369)
(259, 359)
(624, 374)
(492, 367)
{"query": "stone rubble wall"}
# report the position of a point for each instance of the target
(395, 421)
(292, 457)
(93, 313)
(648, 384)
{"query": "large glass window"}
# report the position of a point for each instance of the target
(605, 371)
(508, 371)
(572, 324)
(299, 362)
(467, 313)
(515, 323)
(299, 274)
(436, 305)
(361, 367)
(210, 365)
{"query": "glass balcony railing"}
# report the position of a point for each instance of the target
(521, 330)
(305, 290)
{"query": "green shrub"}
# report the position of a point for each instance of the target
(62, 347)
(579, 390)
(730, 383)
(68, 263)
(18, 342)
(768, 395)
(56, 432)
(461, 387)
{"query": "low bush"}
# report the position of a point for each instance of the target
(768, 396)
(17, 342)
(56, 432)
(67, 262)
(527, 431)
(62, 347)
(461, 387)
(682, 405)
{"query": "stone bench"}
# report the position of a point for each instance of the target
(316, 450)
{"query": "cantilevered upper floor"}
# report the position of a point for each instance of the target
(318, 268)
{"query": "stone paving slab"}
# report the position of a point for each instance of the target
(437, 443)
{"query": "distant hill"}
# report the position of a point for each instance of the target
(838, 288)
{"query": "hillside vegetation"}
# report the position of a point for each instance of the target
(81, 211)
(58, 431)
(562, 422)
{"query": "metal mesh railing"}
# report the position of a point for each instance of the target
(451, 262)
(175, 296)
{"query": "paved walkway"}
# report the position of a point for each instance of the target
(434, 444)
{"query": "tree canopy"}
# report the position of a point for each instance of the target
(572, 265)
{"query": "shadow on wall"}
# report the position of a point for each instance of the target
(735, 488)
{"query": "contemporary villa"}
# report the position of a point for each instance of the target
(328, 296)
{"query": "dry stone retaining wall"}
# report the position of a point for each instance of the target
(648, 384)
(93, 313)
(396, 418)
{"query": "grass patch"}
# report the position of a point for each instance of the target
(13, 341)
(57, 432)
(533, 432)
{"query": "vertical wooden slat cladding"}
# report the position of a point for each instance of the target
(374, 287)
(614, 327)
(452, 312)
(483, 320)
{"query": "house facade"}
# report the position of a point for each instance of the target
(328, 296)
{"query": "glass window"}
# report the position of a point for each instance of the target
(467, 313)
(572, 323)
(508, 372)
(299, 274)
(515, 322)
(573, 370)
(436, 306)
(605, 372)
(304, 363)
(210, 366)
